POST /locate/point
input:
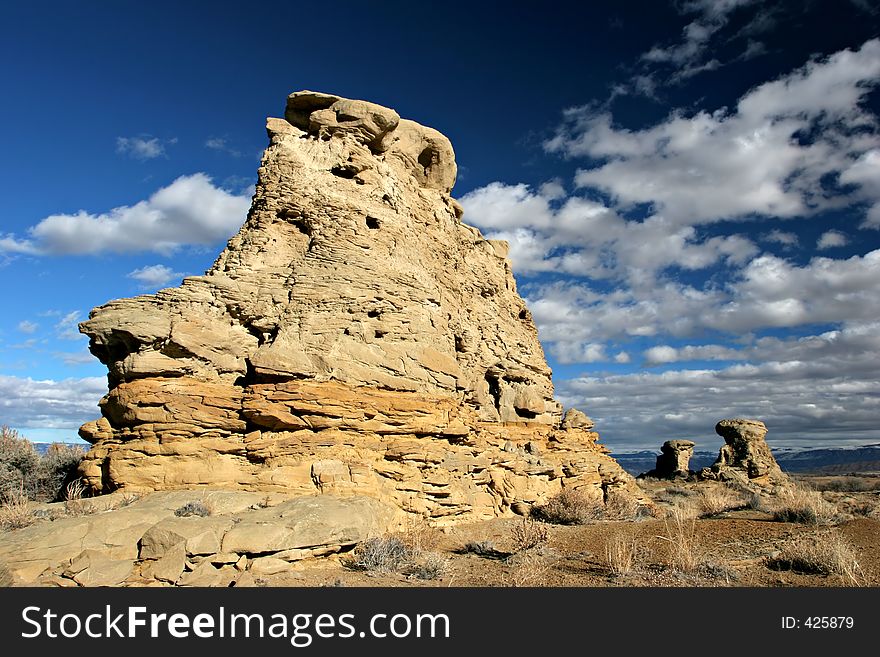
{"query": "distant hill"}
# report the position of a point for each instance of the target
(833, 460)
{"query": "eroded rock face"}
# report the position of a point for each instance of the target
(673, 461)
(355, 335)
(745, 456)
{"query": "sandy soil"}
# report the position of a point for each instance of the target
(732, 548)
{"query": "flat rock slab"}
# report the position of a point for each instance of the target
(102, 549)
(308, 522)
(116, 532)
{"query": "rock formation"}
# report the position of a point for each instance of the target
(673, 461)
(745, 457)
(354, 337)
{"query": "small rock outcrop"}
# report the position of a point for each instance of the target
(673, 461)
(354, 337)
(745, 456)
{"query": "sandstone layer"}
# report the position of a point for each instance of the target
(354, 337)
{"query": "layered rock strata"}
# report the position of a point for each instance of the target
(355, 336)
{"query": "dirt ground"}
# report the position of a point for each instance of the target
(744, 547)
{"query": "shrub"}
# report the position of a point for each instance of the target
(529, 568)
(40, 478)
(380, 554)
(570, 507)
(428, 565)
(820, 553)
(480, 548)
(193, 509)
(528, 534)
(15, 511)
(391, 554)
(804, 506)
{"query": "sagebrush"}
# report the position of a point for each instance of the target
(40, 478)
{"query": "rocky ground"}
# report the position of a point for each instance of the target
(700, 534)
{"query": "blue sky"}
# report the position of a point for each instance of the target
(691, 189)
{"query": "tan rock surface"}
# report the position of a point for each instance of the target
(355, 337)
(673, 461)
(745, 456)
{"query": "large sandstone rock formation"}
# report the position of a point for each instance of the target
(745, 457)
(354, 337)
(673, 461)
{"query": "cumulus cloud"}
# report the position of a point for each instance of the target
(189, 211)
(831, 239)
(801, 402)
(785, 238)
(26, 326)
(144, 147)
(154, 276)
(751, 160)
(584, 237)
(50, 404)
(769, 292)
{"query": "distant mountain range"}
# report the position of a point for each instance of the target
(833, 460)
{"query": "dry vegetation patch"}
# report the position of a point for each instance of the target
(804, 506)
(820, 553)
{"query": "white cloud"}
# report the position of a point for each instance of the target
(785, 238)
(769, 292)
(732, 164)
(26, 326)
(66, 404)
(583, 237)
(141, 148)
(67, 328)
(77, 358)
(221, 145)
(189, 211)
(155, 276)
(801, 402)
(831, 239)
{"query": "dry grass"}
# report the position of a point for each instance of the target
(574, 507)
(570, 507)
(15, 511)
(622, 506)
(401, 553)
(683, 551)
(621, 553)
(718, 499)
(804, 506)
(820, 553)
(530, 568)
(73, 499)
(382, 554)
(528, 534)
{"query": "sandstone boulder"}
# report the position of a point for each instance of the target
(745, 456)
(673, 461)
